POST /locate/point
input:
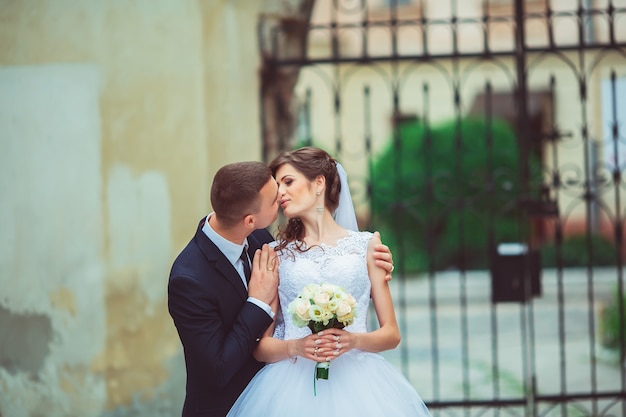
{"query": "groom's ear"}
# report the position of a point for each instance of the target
(249, 221)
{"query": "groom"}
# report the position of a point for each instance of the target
(220, 315)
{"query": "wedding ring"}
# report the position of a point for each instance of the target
(317, 348)
(392, 268)
(270, 269)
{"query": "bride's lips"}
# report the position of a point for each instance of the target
(283, 203)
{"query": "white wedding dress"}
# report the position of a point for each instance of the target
(359, 383)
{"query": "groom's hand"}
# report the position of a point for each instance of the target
(264, 279)
(383, 258)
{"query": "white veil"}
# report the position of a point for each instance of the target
(345, 215)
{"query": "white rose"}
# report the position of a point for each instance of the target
(309, 291)
(301, 309)
(346, 320)
(328, 288)
(351, 300)
(343, 309)
(321, 299)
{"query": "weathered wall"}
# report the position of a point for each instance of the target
(114, 115)
(52, 312)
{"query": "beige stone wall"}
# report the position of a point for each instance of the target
(114, 115)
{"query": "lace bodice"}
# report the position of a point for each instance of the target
(343, 264)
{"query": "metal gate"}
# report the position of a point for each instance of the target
(486, 140)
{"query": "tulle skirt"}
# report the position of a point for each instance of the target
(359, 384)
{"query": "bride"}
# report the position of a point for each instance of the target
(314, 248)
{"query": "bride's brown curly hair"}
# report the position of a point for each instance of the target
(311, 162)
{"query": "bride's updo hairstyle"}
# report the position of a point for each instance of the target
(311, 162)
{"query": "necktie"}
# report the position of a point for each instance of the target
(246, 263)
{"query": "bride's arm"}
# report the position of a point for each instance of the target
(387, 336)
(270, 349)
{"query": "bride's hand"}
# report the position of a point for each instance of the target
(311, 347)
(333, 343)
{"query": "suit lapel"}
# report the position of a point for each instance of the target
(253, 243)
(220, 262)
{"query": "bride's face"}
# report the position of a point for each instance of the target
(297, 195)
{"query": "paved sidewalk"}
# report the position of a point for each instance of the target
(495, 336)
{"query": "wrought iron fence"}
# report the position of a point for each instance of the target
(487, 143)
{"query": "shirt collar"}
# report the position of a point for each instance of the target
(231, 250)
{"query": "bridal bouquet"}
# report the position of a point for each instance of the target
(320, 307)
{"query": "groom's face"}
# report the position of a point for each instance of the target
(268, 211)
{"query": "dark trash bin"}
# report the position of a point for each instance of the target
(515, 273)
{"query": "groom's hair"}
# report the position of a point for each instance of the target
(235, 192)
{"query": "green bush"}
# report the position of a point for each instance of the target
(443, 196)
(575, 252)
(610, 323)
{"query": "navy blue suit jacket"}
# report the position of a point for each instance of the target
(218, 328)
